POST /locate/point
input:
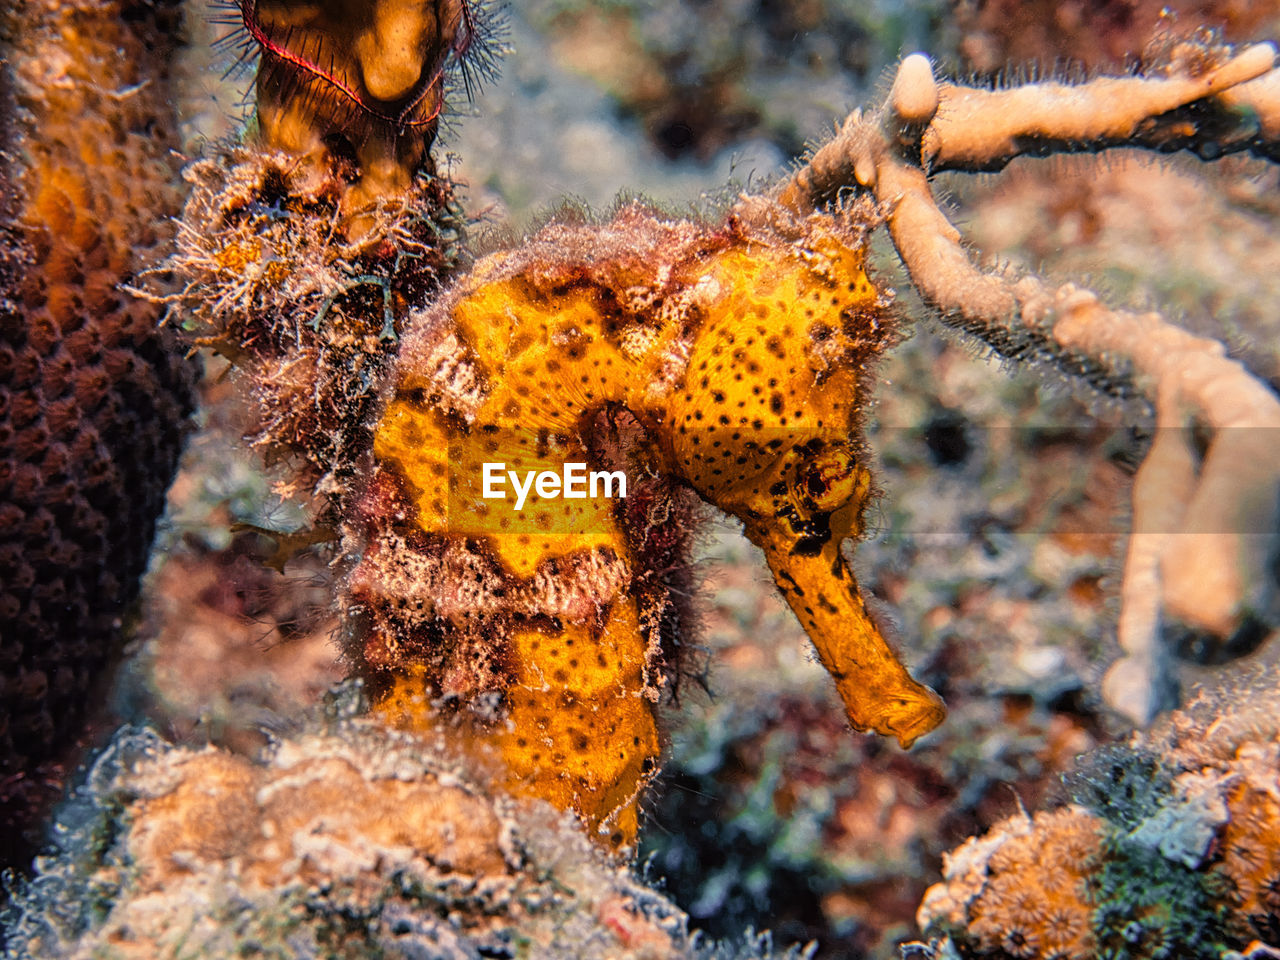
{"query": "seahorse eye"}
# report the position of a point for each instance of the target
(827, 481)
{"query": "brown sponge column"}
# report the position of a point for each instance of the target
(92, 395)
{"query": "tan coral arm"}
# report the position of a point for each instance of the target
(1211, 569)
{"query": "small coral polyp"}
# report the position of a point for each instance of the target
(359, 84)
(1023, 910)
(729, 360)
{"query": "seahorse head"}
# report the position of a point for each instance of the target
(768, 428)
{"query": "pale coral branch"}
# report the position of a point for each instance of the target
(1140, 682)
(1236, 104)
(1203, 528)
(978, 129)
(1260, 97)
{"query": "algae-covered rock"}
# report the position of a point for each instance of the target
(1177, 855)
(344, 841)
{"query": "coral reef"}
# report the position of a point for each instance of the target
(92, 396)
(388, 369)
(344, 841)
(1174, 852)
(447, 592)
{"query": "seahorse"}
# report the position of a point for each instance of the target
(723, 361)
(730, 360)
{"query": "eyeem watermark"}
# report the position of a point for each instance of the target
(574, 482)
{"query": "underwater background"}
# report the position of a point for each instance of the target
(994, 550)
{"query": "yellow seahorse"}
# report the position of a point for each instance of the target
(724, 361)
(729, 359)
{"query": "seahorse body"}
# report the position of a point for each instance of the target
(728, 359)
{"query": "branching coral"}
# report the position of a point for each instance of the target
(1209, 100)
